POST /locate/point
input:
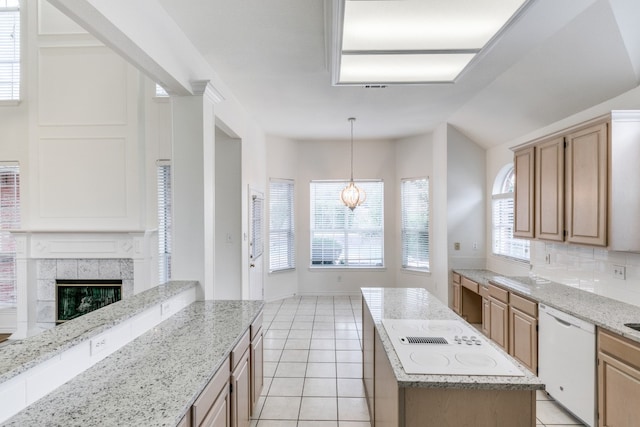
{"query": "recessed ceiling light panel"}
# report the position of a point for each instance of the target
(413, 29)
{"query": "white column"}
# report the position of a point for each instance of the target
(193, 167)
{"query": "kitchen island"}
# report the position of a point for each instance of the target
(156, 379)
(396, 398)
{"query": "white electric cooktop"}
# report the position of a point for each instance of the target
(445, 347)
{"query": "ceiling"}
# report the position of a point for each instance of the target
(558, 58)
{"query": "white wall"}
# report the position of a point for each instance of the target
(319, 160)
(228, 217)
(413, 160)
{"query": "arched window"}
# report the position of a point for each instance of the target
(504, 244)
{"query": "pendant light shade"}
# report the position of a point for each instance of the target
(352, 195)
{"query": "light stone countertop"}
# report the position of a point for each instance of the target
(604, 312)
(154, 380)
(21, 355)
(418, 303)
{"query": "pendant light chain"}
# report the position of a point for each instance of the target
(352, 196)
(351, 120)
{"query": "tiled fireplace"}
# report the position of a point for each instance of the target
(44, 257)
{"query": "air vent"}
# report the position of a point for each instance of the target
(423, 340)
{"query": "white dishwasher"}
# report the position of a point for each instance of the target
(567, 361)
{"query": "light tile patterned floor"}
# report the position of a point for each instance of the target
(313, 367)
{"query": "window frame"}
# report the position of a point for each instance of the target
(339, 185)
(504, 190)
(289, 231)
(17, 94)
(426, 229)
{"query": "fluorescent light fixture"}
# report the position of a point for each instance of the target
(415, 41)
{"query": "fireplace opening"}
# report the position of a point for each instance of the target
(77, 297)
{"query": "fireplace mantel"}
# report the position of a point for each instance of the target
(37, 248)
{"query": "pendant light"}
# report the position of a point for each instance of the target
(352, 195)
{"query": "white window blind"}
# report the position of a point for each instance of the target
(414, 201)
(164, 221)
(344, 238)
(503, 205)
(9, 219)
(160, 92)
(257, 215)
(9, 50)
(281, 226)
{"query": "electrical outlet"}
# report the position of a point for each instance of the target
(619, 272)
(475, 246)
(98, 345)
(456, 246)
(547, 259)
(165, 308)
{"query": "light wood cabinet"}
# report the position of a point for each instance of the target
(486, 314)
(587, 183)
(368, 333)
(618, 381)
(257, 361)
(524, 193)
(241, 383)
(213, 407)
(549, 184)
(523, 331)
(456, 303)
(499, 316)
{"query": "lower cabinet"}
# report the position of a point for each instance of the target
(456, 303)
(486, 311)
(230, 396)
(523, 331)
(618, 381)
(499, 316)
(213, 407)
(368, 333)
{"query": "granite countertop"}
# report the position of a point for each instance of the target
(21, 355)
(417, 303)
(154, 380)
(604, 312)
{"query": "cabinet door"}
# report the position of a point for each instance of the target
(523, 338)
(524, 200)
(586, 185)
(368, 368)
(257, 369)
(241, 393)
(457, 299)
(550, 190)
(499, 328)
(486, 317)
(220, 414)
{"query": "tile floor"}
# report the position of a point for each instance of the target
(313, 367)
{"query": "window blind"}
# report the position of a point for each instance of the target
(9, 50)
(344, 238)
(257, 219)
(281, 225)
(414, 206)
(9, 219)
(164, 221)
(160, 92)
(503, 218)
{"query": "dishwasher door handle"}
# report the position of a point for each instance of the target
(562, 322)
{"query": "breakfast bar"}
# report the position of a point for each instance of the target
(398, 398)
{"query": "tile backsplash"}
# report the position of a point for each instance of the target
(589, 269)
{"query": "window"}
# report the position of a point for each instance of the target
(414, 206)
(164, 220)
(344, 238)
(160, 92)
(281, 226)
(9, 219)
(9, 50)
(504, 243)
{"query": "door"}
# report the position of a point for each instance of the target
(256, 244)
(241, 393)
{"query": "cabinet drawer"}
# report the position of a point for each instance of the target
(456, 278)
(619, 348)
(239, 349)
(524, 305)
(484, 291)
(256, 325)
(499, 293)
(470, 284)
(208, 396)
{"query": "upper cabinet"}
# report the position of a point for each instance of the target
(580, 185)
(524, 202)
